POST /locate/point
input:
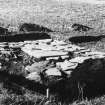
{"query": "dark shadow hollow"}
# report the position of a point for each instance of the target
(81, 39)
(87, 80)
(16, 82)
(24, 36)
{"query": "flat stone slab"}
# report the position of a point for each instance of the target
(66, 65)
(41, 53)
(53, 72)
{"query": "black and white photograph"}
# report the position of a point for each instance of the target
(52, 52)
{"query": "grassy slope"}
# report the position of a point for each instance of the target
(53, 14)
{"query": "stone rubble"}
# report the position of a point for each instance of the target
(51, 50)
(71, 55)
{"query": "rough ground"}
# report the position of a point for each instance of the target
(51, 13)
(58, 17)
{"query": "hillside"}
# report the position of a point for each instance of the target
(57, 15)
(52, 14)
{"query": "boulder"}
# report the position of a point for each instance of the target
(28, 27)
(34, 76)
(53, 72)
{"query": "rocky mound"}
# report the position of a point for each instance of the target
(77, 72)
(28, 27)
